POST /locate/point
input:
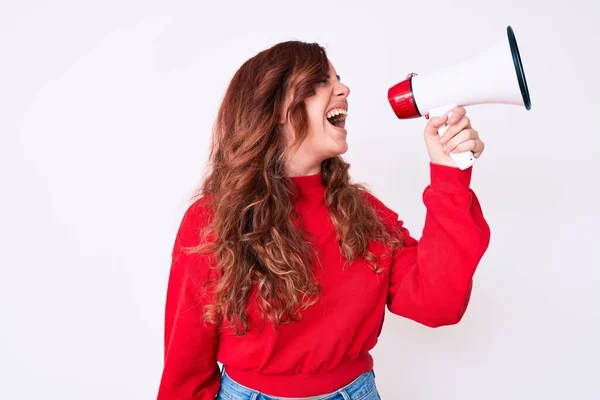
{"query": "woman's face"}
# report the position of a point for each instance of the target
(326, 137)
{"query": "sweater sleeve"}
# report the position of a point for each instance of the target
(431, 279)
(190, 366)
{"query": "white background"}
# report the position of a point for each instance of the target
(106, 110)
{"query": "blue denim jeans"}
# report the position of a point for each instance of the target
(362, 388)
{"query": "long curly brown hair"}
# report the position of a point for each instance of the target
(255, 233)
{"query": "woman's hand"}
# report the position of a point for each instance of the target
(458, 137)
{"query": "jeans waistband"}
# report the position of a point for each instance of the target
(356, 389)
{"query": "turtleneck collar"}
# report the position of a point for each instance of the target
(309, 185)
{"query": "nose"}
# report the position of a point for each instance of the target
(342, 90)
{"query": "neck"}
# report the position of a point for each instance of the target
(302, 165)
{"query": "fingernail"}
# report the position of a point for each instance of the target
(445, 149)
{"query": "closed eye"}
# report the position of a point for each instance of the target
(326, 80)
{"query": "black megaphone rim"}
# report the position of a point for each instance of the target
(514, 49)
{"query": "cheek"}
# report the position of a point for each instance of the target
(315, 107)
(316, 122)
(315, 111)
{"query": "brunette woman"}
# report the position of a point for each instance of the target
(282, 268)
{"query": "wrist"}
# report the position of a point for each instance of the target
(446, 162)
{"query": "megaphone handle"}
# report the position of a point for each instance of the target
(462, 160)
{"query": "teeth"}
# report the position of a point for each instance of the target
(336, 111)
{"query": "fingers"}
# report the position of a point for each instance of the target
(437, 122)
(455, 144)
(476, 146)
(460, 136)
(434, 124)
(457, 114)
(454, 129)
(478, 149)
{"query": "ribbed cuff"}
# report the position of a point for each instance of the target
(449, 179)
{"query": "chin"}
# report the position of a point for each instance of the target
(343, 149)
(338, 145)
(339, 150)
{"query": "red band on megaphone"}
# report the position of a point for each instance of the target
(402, 100)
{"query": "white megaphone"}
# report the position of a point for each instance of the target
(493, 76)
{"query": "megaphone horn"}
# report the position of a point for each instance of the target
(493, 76)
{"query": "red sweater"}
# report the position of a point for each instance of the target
(428, 281)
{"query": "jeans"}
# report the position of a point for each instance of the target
(362, 388)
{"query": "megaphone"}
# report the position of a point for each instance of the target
(492, 76)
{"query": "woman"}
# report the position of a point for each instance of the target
(282, 268)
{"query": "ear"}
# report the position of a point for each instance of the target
(284, 108)
(282, 116)
(285, 127)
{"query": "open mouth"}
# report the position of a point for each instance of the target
(337, 118)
